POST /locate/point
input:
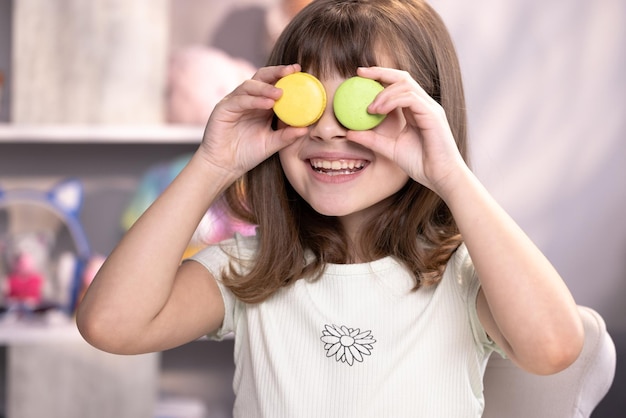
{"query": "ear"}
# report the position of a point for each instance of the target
(67, 196)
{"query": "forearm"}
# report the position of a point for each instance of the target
(136, 281)
(530, 304)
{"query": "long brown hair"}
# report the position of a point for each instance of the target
(417, 228)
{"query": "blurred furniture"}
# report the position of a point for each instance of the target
(48, 370)
(52, 372)
(573, 393)
(96, 62)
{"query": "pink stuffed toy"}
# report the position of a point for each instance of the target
(24, 283)
(27, 257)
(199, 77)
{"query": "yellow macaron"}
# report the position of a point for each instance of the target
(303, 100)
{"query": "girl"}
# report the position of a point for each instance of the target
(357, 296)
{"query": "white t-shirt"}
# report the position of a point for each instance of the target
(357, 342)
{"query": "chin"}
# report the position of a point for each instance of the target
(330, 210)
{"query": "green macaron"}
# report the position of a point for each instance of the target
(351, 100)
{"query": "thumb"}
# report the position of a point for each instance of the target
(284, 137)
(369, 139)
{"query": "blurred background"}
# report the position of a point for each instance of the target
(115, 93)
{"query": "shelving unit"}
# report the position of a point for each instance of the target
(20, 333)
(110, 161)
(53, 372)
(100, 134)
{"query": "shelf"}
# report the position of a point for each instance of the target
(100, 134)
(15, 333)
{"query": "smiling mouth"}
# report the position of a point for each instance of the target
(337, 167)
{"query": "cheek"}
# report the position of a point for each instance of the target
(289, 160)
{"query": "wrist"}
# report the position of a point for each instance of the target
(449, 178)
(212, 178)
(219, 173)
(457, 184)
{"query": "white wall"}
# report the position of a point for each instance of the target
(546, 88)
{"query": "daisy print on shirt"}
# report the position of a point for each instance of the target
(347, 345)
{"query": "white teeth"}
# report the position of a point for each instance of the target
(344, 166)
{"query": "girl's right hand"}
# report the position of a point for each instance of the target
(238, 135)
(178, 303)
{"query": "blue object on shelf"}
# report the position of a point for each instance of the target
(55, 213)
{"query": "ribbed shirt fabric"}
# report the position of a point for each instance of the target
(358, 342)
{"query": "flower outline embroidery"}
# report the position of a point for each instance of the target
(347, 344)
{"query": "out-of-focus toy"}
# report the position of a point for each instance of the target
(27, 258)
(198, 78)
(43, 248)
(216, 224)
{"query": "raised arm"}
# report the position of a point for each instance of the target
(143, 299)
(524, 305)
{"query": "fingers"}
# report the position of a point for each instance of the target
(259, 91)
(387, 76)
(374, 141)
(425, 145)
(262, 83)
(239, 128)
(283, 137)
(272, 74)
(401, 91)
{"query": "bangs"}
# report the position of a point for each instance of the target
(335, 42)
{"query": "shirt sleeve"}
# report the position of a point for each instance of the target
(470, 285)
(216, 259)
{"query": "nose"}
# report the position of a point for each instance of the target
(328, 127)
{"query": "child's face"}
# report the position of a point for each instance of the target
(338, 177)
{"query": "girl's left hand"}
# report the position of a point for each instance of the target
(521, 282)
(425, 149)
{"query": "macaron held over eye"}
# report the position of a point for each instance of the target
(352, 98)
(304, 100)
